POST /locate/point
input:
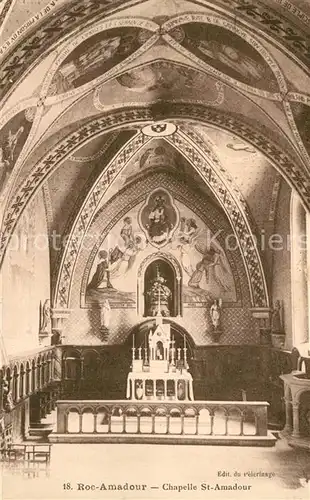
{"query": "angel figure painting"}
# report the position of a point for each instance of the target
(206, 269)
(13, 137)
(115, 261)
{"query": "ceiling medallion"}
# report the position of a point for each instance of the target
(159, 129)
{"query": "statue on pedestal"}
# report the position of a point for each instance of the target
(7, 399)
(105, 314)
(105, 317)
(45, 318)
(215, 314)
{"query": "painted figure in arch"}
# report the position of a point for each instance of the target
(159, 224)
(245, 66)
(127, 231)
(4, 169)
(12, 141)
(101, 278)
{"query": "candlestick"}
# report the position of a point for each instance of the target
(185, 357)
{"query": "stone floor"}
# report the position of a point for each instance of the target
(195, 470)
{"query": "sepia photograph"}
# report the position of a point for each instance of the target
(154, 249)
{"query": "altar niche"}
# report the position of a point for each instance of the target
(161, 290)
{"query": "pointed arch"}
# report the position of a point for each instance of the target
(212, 173)
(134, 117)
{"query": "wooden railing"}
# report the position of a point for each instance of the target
(28, 374)
(92, 421)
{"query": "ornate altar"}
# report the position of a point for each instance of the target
(159, 370)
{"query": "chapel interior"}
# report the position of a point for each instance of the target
(155, 255)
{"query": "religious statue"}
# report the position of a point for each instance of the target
(101, 278)
(105, 314)
(45, 317)
(7, 396)
(276, 319)
(159, 297)
(215, 314)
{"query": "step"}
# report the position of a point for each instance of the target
(268, 440)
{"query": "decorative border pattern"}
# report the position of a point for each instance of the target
(274, 198)
(41, 38)
(296, 176)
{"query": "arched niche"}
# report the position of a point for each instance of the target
(159, 270)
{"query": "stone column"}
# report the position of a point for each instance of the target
(143, 388)
(296, 430)
(288, 411)
(299, 285)
(59, 317)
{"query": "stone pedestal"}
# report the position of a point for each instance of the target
(59, 317)
(295, 384)
(216, 335)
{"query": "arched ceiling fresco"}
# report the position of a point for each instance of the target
(98, 73)
(228, 53)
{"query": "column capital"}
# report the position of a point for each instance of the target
(60, 313)
(261, 312)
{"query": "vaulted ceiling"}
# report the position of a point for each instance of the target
(80, 81)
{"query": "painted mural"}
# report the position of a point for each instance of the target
(95, 56)
(230, 54)
(205, 270)
(301, 114)
(12, 139)
(159, 218)
(159, 78)
(161, 75)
